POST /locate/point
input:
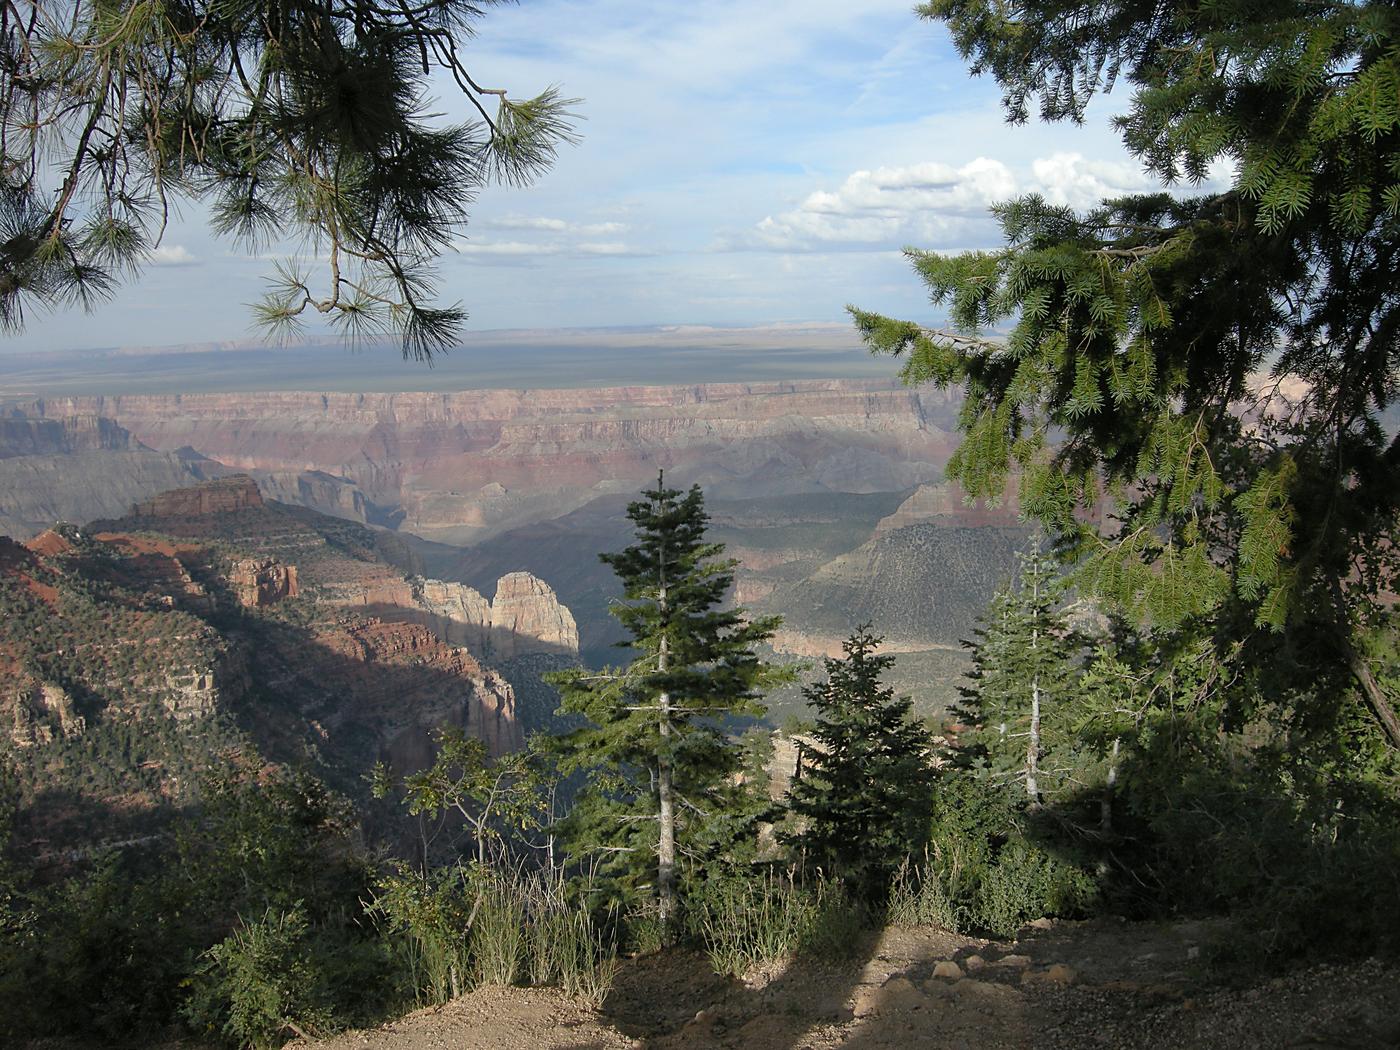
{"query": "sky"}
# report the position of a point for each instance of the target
(742, 163)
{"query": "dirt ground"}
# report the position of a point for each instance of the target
(1066, 986)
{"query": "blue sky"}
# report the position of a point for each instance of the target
(742, 163)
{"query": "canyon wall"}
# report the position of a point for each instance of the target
(462, 466)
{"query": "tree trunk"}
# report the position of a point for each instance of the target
(1033, 747)
(666, 807)
(1375, 695)
(1361, 670)
(1106, 803)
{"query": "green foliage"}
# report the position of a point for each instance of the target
(495, 798)
(745, 922)
(657, 743)
(264, 983)
(300, 120)
(990, 866)
(1216, 366)
(862, 797)
(466, 925)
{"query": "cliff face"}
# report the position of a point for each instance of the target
(128, 659)
(23, 435)
(229, 495)
(38, 490)
(526, 617)
(463, 465)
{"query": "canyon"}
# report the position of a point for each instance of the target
(210, 621)
(460, 467)
(829, 493)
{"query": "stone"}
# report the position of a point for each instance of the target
(226, 495)
(897, 995)
(973, 963)
(259, 582)
(1042, 923)
(949, 969)
(527, 617)
(1016, 962)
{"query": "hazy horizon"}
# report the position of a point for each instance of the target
(500, 359)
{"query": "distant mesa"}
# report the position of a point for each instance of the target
(227, 495)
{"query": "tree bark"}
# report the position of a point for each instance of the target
(1106, 803)
(1033, 747)
(666, 810)
(1375, 695)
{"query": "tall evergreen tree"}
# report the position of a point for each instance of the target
(657, 742)
(1219, 363)
(865, 789)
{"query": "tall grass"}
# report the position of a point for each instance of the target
(472, 925)
(745, 923)
(918, 897)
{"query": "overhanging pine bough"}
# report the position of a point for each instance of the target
(1219, 364)
(305, 118)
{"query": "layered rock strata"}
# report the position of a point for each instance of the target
(461, 465)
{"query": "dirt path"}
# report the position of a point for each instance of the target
(1074, 986)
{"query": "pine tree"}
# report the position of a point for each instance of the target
(1016, 700)
(864, 792)
(1218, 364)
(657, 744)
(305, 119)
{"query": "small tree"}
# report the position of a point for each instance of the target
(661, 759)
(1022, 663)
(488, 796)
(866, 787)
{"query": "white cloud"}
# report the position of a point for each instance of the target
(172, 255)
(889, 206)
(505, 248)
(605, 248)
(1071, 179)
(532, 249)
(552, 225)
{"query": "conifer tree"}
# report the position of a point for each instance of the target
(864, 792)
(1022, 677)
(657, 743)
(1219, 360)
(306, 119)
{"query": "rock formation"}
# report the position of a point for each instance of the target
(457, 613)
(422, 684)
(526, 617)
(42, 712)
(262, 581)
(228, 495)
(458, 466)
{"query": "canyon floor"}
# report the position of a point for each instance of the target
(1097, 986)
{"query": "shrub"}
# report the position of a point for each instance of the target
(263, 981)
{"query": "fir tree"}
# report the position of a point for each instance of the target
(1022, 678)
(660, 755)
(865, 788)
(1218, 364)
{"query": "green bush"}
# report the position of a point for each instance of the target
(262, 982)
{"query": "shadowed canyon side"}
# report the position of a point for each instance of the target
(210, 619)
